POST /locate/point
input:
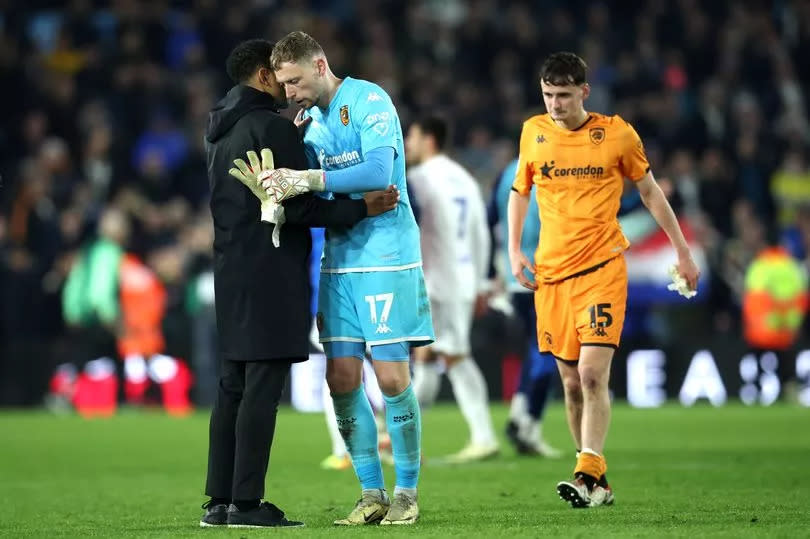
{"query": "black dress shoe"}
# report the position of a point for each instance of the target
(215, 515)
(266, 515)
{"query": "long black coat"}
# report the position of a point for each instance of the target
(262, 291)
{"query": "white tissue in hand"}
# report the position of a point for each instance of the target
(680, 284)
(274, 213)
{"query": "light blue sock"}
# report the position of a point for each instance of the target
(356, 424)
(404, 421)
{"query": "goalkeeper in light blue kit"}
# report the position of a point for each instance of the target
(372, 290)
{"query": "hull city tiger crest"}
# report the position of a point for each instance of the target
(597, 134)
(344, 114)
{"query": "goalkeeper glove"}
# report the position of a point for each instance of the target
(284, 183)
(271, 212)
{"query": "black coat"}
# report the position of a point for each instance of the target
(262, 291)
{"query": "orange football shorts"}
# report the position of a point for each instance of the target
(584, 309)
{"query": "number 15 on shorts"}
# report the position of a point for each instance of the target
(600, 318)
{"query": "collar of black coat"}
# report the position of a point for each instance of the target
(237, 102)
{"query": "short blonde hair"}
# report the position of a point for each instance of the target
(294, 47)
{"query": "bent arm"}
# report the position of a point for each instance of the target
(373, 174)
(311, 210)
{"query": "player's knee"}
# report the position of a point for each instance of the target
(591, 379)
(393, 382)
(341, 382)
(572, 387)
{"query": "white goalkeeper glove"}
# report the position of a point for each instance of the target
(284, 183)
(271, 212)
(680, 284)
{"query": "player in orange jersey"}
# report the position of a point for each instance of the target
(578, 160)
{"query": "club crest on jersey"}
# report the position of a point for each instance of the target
(344, 114)
(597, 135)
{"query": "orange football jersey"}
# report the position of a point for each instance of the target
(579, 176)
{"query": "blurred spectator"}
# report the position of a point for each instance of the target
(790, 186)
(775, 300)
(797, 237)
(717, 189)
(751, 237)
(30, 242)
(114, 306)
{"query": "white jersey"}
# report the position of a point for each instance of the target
(453, 224)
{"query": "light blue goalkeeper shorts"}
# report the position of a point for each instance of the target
(377, 309)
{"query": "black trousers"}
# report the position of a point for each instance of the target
(243, 422)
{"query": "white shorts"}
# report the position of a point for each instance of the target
(452, 321)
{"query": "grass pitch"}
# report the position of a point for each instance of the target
(728, 472)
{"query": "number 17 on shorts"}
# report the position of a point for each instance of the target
(376, 307)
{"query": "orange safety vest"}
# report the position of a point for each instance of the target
(143, 305)
(775, 300)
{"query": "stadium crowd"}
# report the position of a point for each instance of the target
(106, 106)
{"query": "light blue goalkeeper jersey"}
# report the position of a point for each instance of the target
(360, 118)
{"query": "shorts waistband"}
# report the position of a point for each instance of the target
(587, 270)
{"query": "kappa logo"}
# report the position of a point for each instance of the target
(540, 139)
(344, 114)
(319, 321)
(374, 96)
(547, 338)
(599, 331)
(382, 329)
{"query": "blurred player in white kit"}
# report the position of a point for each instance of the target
(455, 249)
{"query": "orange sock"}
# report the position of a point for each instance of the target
(590, 464)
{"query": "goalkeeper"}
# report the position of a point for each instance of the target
(372, 290)
(261, 281)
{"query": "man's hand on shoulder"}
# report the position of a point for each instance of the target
(378, 202)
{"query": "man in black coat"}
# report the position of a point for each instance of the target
(262, 290)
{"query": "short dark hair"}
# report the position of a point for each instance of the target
(564, 68)
(294, 47)
(246, 58)
(434, 126)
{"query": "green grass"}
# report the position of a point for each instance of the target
(727, 472)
